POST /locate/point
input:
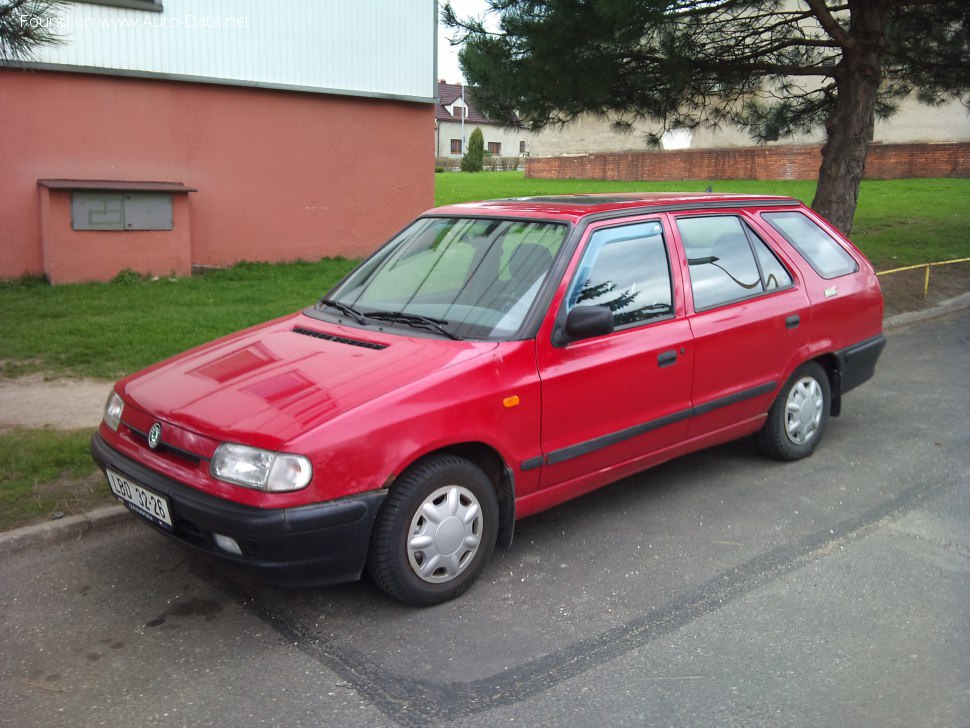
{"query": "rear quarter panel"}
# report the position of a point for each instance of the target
(845, 310)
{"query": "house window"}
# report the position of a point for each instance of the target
(521, 147)
(456, 146)
(97, 210)
(495, 148)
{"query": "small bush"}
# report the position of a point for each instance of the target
(128, 277)
(448, 164)
(27, 280)
(439, 170)
(475, 153)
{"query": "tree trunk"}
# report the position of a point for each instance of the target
(849, 128)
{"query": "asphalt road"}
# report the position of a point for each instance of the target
(721, 589)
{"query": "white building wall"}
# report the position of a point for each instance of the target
(510, 139)
(360, 47)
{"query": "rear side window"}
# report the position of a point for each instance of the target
(727, 262)
(823, 253)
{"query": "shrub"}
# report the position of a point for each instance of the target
(475, 153)
(128, 277)
(448, 164)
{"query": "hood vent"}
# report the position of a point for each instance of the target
(339, 339)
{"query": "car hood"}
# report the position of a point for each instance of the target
(267, 385)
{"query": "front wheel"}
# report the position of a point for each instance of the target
(435, 532)
(797, 418)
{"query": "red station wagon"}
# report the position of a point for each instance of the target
(491, 361)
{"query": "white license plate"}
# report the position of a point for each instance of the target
(139, 499)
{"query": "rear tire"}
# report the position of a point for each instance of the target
(435, 532)
(798, 416)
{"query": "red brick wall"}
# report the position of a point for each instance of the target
(885, 161)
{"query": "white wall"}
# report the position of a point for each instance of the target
(508, 138)
(361, 47)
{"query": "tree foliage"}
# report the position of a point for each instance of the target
(25, 25)
(474, 157)
(773, 67)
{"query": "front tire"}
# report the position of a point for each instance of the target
(436, 530)
(798, 416)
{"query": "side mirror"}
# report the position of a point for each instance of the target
(585, 322)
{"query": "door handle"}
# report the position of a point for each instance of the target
(792, 321)
(667, 358)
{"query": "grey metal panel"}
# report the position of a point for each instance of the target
(97, 211)
(216, 81)
(382, 48)
(148, 211)
(116, 211)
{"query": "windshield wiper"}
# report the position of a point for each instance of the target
(414, 319)
(345, 309)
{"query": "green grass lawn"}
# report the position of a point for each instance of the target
(107, 330)
(44, 472)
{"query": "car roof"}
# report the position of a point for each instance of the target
(577, 206)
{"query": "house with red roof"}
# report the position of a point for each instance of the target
(455, 117)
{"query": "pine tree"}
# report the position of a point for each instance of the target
(772, 67)
(25, 25)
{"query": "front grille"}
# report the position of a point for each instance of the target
(163, 448)
(339, 339)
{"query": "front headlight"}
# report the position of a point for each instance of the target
(260, 469)
(112, 410)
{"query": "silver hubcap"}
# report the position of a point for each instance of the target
(445, 534)
(803, 412)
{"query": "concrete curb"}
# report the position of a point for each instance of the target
(56, 532)
(957, 303)
(73, 528)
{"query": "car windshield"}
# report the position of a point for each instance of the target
(474, 278)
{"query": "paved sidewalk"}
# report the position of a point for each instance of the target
(64, 404)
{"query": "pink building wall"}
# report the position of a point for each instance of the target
(280, 175)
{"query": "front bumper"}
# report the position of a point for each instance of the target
(323, 543)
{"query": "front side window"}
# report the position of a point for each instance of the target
(727, 262)
(825, 255)
(625, 269)
(477, 278)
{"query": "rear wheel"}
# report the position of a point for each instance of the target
(797, 418)
(435, 532)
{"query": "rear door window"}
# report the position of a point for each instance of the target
(727, 262)
(823, 253)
